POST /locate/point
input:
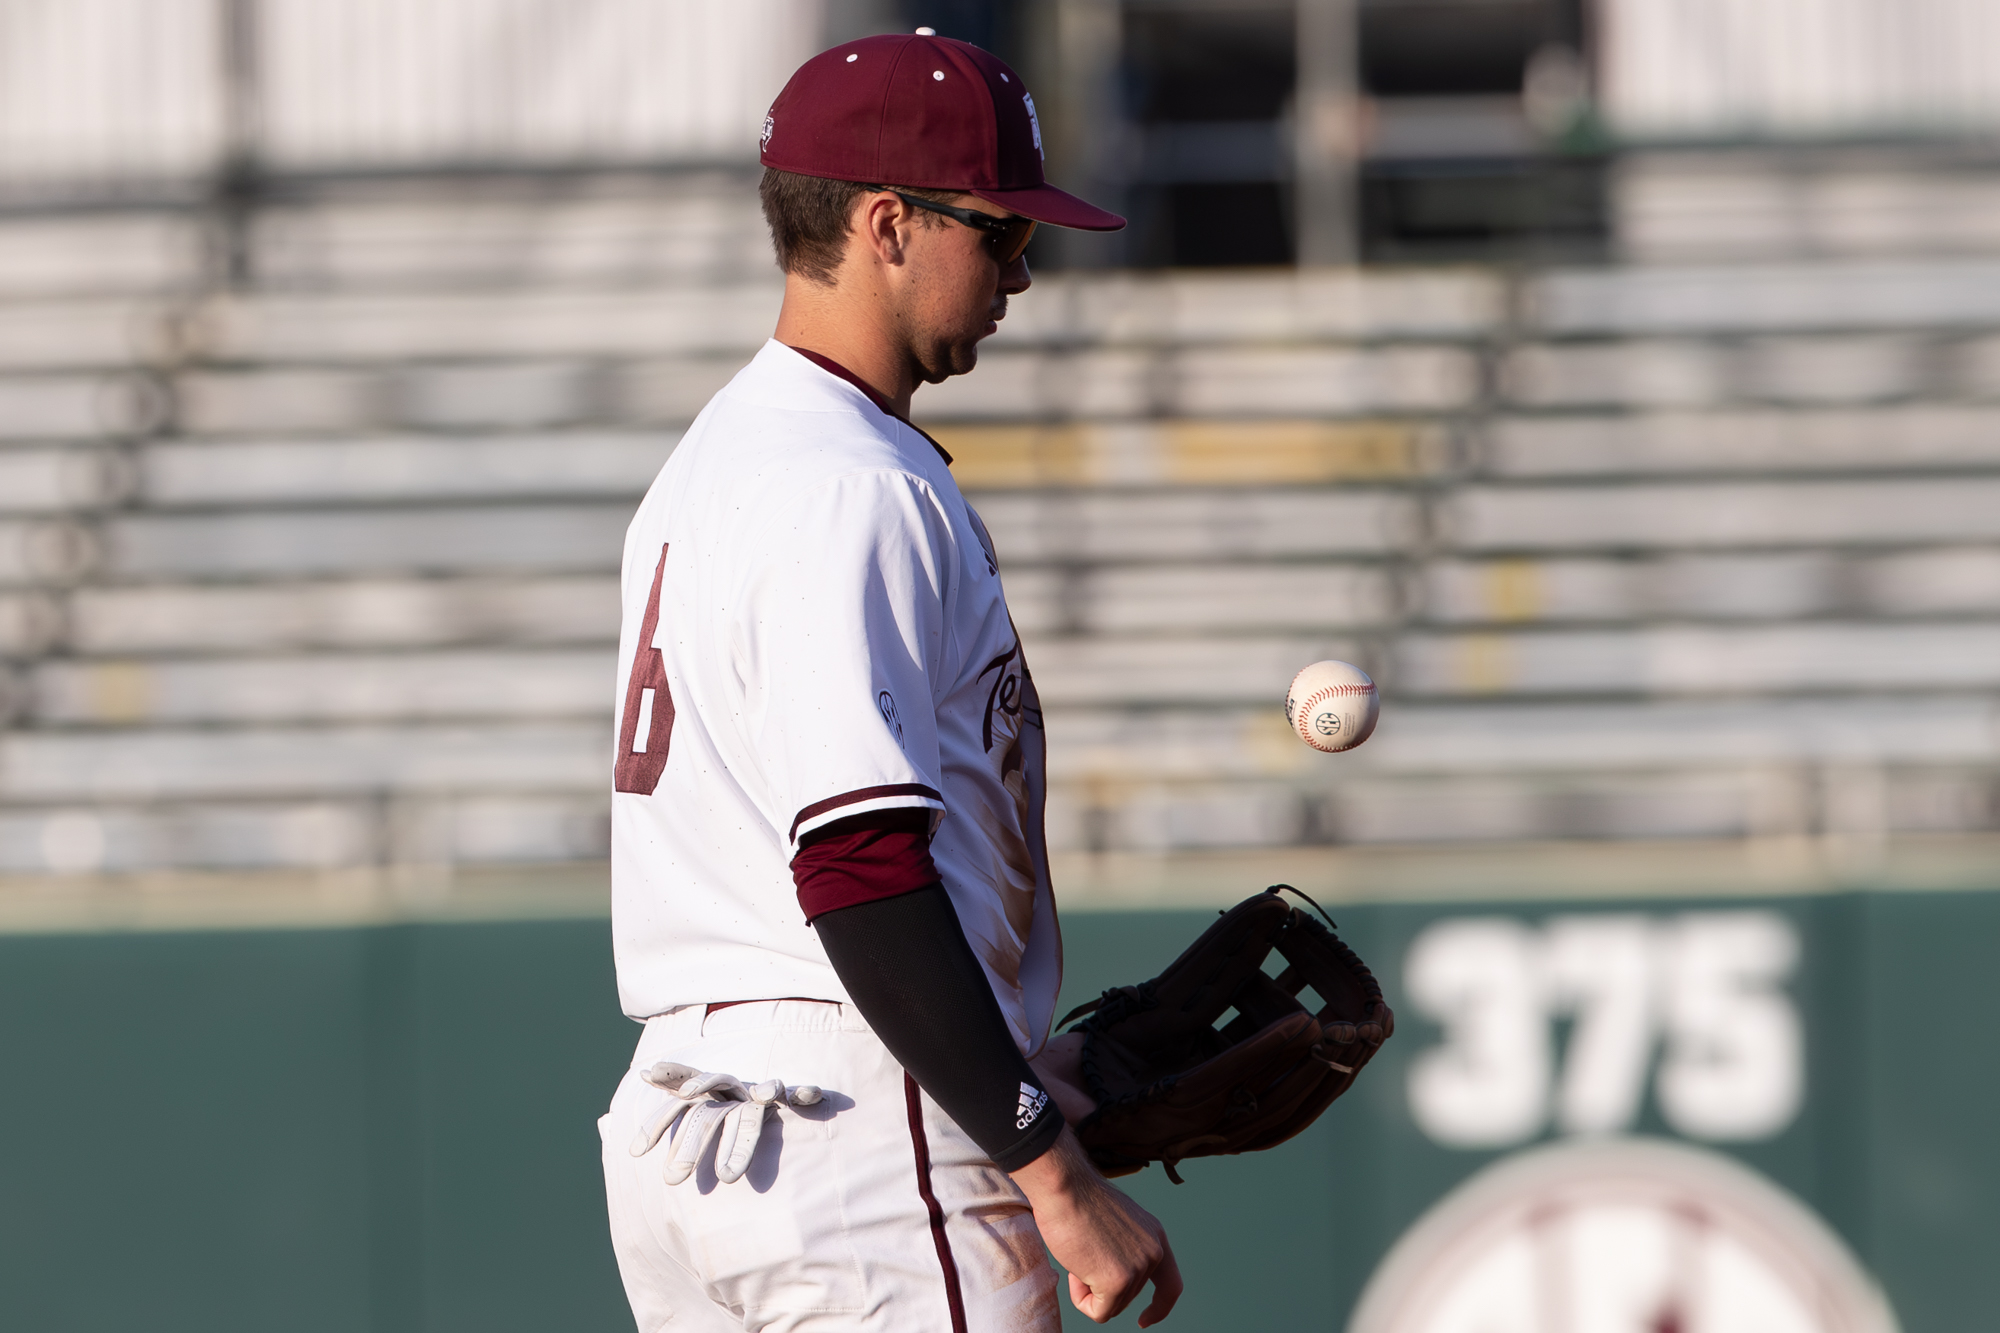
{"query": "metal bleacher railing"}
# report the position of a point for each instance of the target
(308, 558)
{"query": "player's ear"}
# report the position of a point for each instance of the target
(883, 223)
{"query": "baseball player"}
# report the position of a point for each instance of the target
(831, 898)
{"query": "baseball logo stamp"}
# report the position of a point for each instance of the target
(1332, 706)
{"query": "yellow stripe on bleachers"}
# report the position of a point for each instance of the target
(1187, 453)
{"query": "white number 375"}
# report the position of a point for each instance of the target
(1705, 988)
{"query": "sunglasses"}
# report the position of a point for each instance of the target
(1009, 236)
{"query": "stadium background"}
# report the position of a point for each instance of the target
(1617, 382)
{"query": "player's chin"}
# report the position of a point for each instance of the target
(956, 358)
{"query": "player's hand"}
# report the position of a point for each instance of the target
(1111, 1246)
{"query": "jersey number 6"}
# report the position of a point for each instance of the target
(648, 721)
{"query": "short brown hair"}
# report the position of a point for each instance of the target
(808, 219)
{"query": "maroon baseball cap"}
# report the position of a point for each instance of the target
(923, 112)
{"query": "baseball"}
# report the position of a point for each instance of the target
(1332, 706)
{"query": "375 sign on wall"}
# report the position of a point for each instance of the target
(1568, 1023)
(1576, 1025)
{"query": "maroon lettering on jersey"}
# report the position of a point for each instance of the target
(1013, 691)
(648, 722)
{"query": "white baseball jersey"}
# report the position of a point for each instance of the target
(814, 627)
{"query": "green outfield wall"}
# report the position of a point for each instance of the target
(392, 1128)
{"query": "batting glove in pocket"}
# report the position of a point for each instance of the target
(711, 1110)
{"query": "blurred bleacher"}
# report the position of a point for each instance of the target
(320, 572)
(338, 343)
(324, 573)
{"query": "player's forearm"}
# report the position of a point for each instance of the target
(1111, 1246)
(1059, 1176)
(905, 963)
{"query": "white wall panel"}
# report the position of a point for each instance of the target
(704, 229)
(392, 82)
(1112, 749)
(538, 539)
(1333, 382)
(434, 686)
(1767, 298)
(535, 324)
(46, 551)
(1718, 69)
(1167, 525)
(1724, 587)
(1525, 738)
(1675, 661)
(1240, 669)
(111, 253)
(53, 407)
(1228, 307)
(319, 472)
(193, 764)
(95, 91)
(52, 480)
(1747, 514)
(381, 613)
(1231, 598)
(1930, 435)
(106, 88)
(29, 623)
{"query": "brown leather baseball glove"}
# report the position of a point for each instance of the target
(1170, 1085)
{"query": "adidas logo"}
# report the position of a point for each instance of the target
(1033, 1099)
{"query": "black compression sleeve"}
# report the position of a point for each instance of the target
(905, 962)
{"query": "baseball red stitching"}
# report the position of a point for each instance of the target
(1324, 692)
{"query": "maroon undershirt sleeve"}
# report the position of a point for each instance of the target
(863, 858)
(869, 887)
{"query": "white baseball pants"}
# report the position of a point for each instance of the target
(871, 1211)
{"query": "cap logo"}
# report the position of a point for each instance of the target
(764, 139)
(1033, 124)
